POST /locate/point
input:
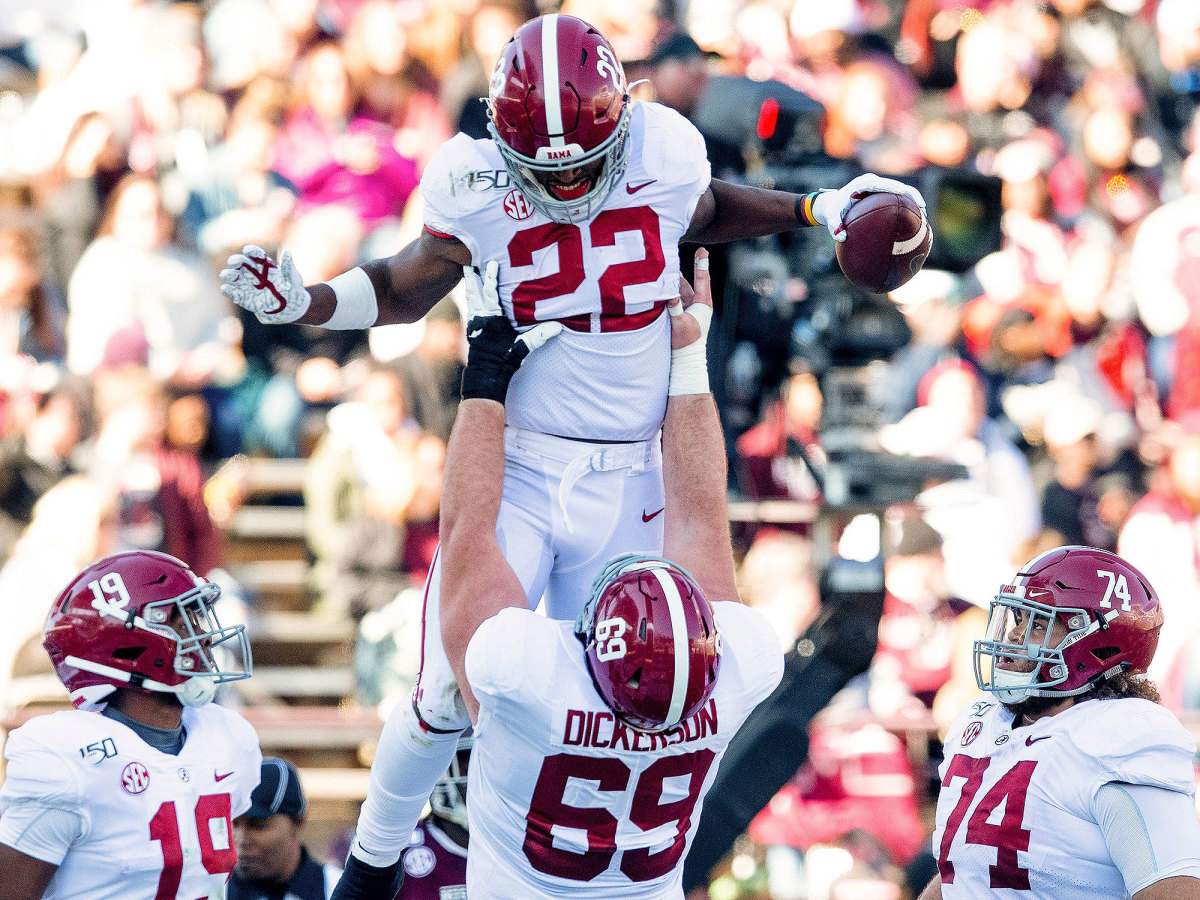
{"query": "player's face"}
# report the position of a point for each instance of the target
(266, 848)
(1034, 629)
(571, 184)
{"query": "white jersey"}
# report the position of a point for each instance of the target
(151, 825)
(1015, 813)
(565, 801)
(607, 280)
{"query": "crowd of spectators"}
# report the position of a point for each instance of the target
(142, 141)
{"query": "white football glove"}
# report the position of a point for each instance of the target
(830, 207)
(274, 292)
(483, 297)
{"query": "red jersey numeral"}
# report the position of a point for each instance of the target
(565, 281)
(602, 232)
(164, 828)
(647, 811)
(1008, 837)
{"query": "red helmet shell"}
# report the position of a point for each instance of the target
(1112, 615)
(652, 645)
(116, 625)
(557, 101)
(557, 83)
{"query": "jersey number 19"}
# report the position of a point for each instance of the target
(213, 828)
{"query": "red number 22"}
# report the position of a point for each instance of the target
(602, 232)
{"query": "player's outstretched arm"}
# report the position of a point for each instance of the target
(733, 212)
(25, 877)
(696, 529)
(400, 288)
(477, 582)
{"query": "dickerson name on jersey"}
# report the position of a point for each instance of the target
(602, 730)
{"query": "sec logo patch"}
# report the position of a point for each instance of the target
(419, 861)
(516, 206)
(135, 778)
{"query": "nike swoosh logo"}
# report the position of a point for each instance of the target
(634, 188)
(217, 777)
(1031, 740)
(647, 518)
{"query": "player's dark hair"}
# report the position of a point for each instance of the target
(1119, 687)
(1123, 685)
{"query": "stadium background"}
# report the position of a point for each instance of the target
(1042, 368)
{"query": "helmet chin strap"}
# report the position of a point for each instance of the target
(196, 691)
(1010, 687)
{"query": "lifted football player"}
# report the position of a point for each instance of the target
(575, 209)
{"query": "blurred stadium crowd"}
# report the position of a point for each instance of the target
(142, 141)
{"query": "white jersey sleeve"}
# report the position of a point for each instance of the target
(504, 652)
(758, 656)
(1136, 742)
(454, 187)
(41, 808)
(673, 153)
(37, 770)
(43, 832)
(1151, 833)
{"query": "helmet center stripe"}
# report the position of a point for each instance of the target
(550, 81)
(679, 634)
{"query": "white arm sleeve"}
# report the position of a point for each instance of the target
(43, 832)
(1152, 833)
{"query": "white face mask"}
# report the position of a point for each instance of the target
(614, 152)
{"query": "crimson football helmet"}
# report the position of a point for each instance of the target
(651, 641)
(557, 102)
(144, 620)
(449, 797)
(1104, 610)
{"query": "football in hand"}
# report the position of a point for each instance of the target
(887, 240)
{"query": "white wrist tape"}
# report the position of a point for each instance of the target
(356, 304)
(689, 365)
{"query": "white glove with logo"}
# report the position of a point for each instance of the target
(274, 292)
(830, 207)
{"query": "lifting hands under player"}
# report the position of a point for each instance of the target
(495, 348)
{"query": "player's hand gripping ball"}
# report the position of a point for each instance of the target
(887, 241)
